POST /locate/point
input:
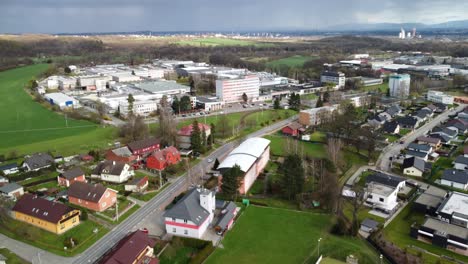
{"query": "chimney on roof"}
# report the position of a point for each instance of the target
(113, 163)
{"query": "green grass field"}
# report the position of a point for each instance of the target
(28, 127)
(272, 235)
(382, 88)
(213, 41)
(293, 61)
(279, 144)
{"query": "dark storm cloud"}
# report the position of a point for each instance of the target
(51, 16)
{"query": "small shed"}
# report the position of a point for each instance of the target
(369, 225)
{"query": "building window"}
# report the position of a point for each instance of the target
(369, 196)
(173, 230)
(381, 199)
(185, 220)
(173, 219)
(185, 232)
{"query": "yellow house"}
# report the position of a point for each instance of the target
(51, 216)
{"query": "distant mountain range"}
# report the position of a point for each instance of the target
(450, 25)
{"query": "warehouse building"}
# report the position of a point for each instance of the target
(61, 100)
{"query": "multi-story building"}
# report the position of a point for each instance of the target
(439, 97)
(192, 214)
(230, 88)
(141, 108)
(316, 116)
(48, 215)
(252, 156)
(382, 191)
(337, 78)
(399, 85)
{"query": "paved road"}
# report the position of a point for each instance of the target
(391, 150)
(150, 209)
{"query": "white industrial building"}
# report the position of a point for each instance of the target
(93, 83)
(61, 100)
(230, 88)
(151, 73)
(123, 77)
(269, 79)
(192, 215)
(161, 87)
(252, 156)
(337, 78)
(141, 108)
(439, 97)
(399, 85)
(66, 83)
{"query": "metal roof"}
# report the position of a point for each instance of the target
(189, 208)
(245, 154)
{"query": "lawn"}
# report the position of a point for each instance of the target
(83, 235)
(279, 145)
(261, 236)
(309, 96)
(47, 176)
(391, 138)
(399, 229)
(212, 41)
(148, 196)
(382, 88)
(31, 127)
(11, 257)
(293, 61)
(318, 136)
(362, 214)
(404, 131)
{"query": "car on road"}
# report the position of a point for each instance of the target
(402, 142)
(210, 160)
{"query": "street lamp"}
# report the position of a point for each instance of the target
(320, 239)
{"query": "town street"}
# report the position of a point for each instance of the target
(150, 210)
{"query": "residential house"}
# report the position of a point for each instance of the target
(48, 215)
(430, 200)
(382, 190)
(455, 178)
(393, 111)
(184, 135)
(442, 136)
(38, 161)
(460, 124)
(453, 209)
(159, 160)
(391, 127)
(379, 119)
(420, 147)
(422, 155)
(408, 122)
(137, 185)
(369, 225)
(113, 171)
(423, 114)
(12, 190)
(8, 169)
(143, 147)
(294, 129)
(414, 166)
(251, 156)
(226, 218)
(461, 163)
(70, 176)
(135, 248)
(3, 181)
(94, 197)
(191, 215)
(448, 132)
(434, 142)
(122, 154)
(440, 107)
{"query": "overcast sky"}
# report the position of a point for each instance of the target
(72, 16)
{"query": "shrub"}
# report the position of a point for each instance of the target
(203, 254)
(84, 215)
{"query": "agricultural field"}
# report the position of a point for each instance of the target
(293, 61)
(30, 127)
(213, 41)
(259, 236)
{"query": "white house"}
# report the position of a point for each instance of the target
(192, 215)
(9, 168)
(12, 190)
(113, 171)
(382, 190)
(414, 166)
(461, 163)
(455, 178)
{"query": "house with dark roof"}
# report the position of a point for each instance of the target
(8, 169)
(455, 178)
(38, 161)
(382, 190)
(391, 127)
(70, 176)
(430, 200)
(379, 119)
(226, 218)
(440, 107)
(461, 163)
(408, 122)
(122, 154)
(449, 132)
(143, 147)
(12, 190)
(113, 171)
(94, 197)
(420, 147)
(435, 143)
(442, 136)
(137, 185)
(393, 111)
(414, 166)
(294, 129)
(422, 155)
(191, 215)
(48, 215)
(460, 124)
(161, 159)
(369, 225)
(135, 248)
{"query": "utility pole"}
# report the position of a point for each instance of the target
(117, 209)
(66, 120)
(320, 239)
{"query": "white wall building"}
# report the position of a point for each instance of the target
(113, 171)
(192, 214)
(141, 108)
(337, 78)
(316, 116)
(66, 83)
(439, 97)
(61, 100)
(125, 77)
(399, 85)
(230, 88)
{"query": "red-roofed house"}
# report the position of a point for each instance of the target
(137, 185)
(94, 197)
(122, 154)
(144, 146)
(183, 135)
(293, 129)
(159, 160)
(70, 176)
(135, 248)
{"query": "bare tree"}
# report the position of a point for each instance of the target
(167, 130)
(334, 146)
